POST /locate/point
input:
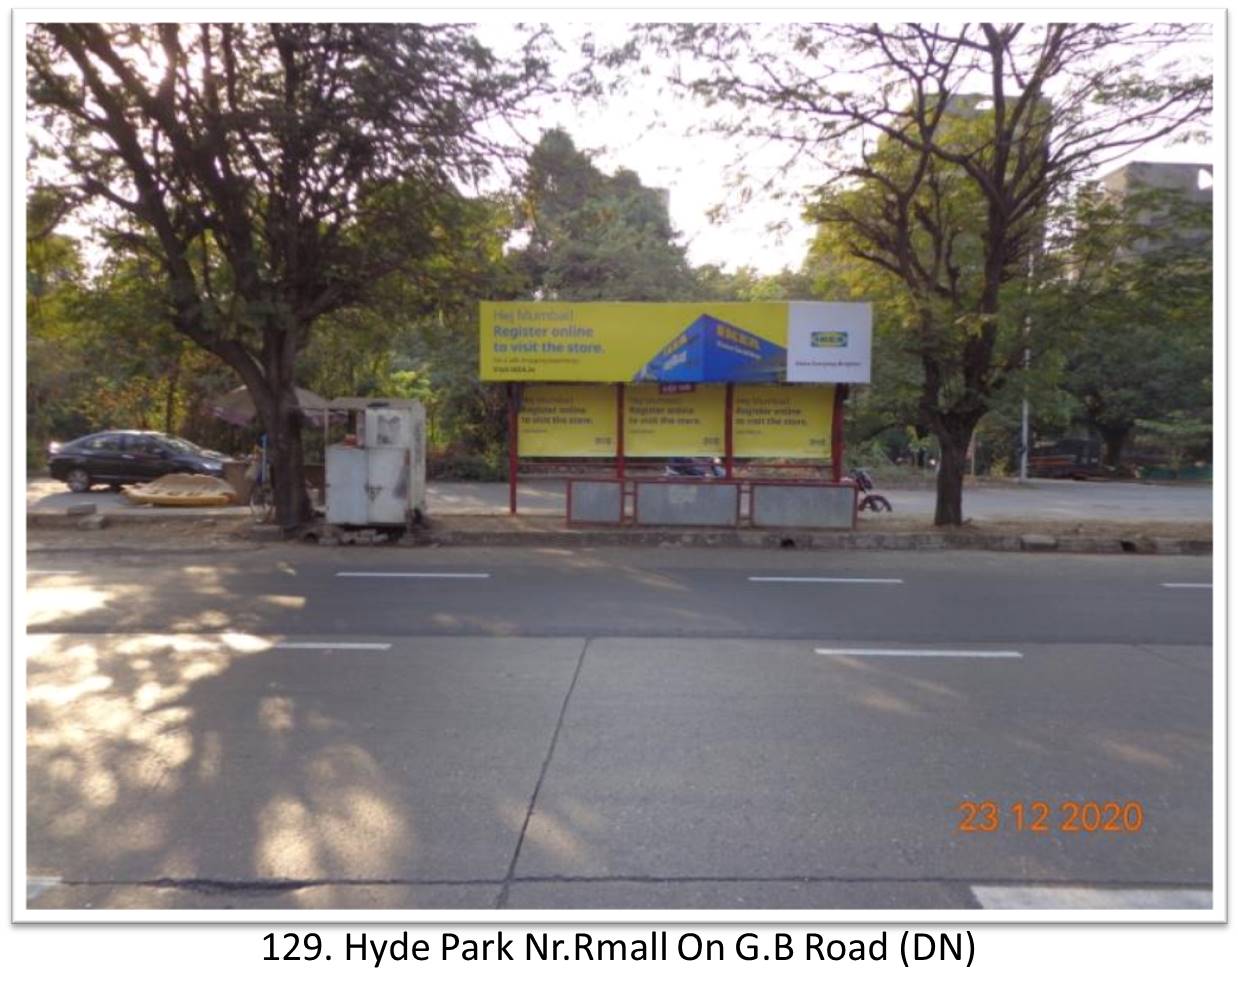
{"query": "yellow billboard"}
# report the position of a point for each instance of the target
(560, 420)
(692, 342)
(690, 423)
(782, 420)
(624, 342)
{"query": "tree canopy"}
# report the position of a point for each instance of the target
(941, 150)
(275, 172)
(592, 236)
(1138, 301)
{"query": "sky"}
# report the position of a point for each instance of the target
(663, 138)
(660, 137)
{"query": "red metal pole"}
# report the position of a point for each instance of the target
(513, 445)
(729, 454)
(620, 462)
(836, 432)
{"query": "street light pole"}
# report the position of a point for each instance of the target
(1025, 437)
(1025, 433)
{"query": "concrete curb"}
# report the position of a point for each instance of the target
(69, 520)
(806, 540)
(439, 534)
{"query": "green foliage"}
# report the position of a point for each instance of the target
(746, 284)
(1139, 301)
(1182, 436)
(275, 173)
(592, 236)
(941, 168)
(55, 359)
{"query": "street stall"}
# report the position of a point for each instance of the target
(733, 389)
(376, 476)
(237, 408)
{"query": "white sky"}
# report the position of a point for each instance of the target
(650, 132)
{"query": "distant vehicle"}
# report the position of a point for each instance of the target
(127, 457)
(692, 467)
(1076, 458)
(871, 502)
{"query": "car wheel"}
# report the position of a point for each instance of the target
(77, 480)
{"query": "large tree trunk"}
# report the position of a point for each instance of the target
(275, 399)
(1115, 441)
(169, 402)
(292, 504)
(953, 437)
(281, 418)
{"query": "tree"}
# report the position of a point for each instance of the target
(596, 237)
(745, 283)
(941, 150)
(1180, 434)
(1139, 299)
(275, 172)
(419, 339)
(54, 357)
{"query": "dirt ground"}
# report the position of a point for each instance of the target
(221, 534)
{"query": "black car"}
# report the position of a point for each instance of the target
(126, 457)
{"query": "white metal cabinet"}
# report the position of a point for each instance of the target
(347, 476)
(387, 489)
(389, 427)
(382, 482)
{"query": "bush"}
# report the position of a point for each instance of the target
(457, 464)
(870, 454)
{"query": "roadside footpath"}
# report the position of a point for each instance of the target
(209, 530)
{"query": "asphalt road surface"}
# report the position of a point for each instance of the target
(615, 729)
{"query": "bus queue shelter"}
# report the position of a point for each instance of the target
(618, 384)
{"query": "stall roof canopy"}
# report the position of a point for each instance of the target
(361, 404)
(699, 342)
(238, 408)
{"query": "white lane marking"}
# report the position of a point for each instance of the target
(831, 580)
(30, 570)
(862, 652)
(1069, 897)
(1184, 584)
(406, 574)
(36, 885)
(331, 646)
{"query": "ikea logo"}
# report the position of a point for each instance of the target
(829, 339)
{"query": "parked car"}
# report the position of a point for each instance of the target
(127, 457)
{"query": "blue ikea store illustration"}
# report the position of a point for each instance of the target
(711, 351)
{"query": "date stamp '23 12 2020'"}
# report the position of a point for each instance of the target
(1039, 816)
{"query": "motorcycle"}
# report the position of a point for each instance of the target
(690, 467)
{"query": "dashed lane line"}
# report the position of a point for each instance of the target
(1069, 897)
(331, 646)
(867, 652)
(443, 575)
(36, 885)
(801, 580)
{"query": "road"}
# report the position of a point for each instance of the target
(613, 729)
